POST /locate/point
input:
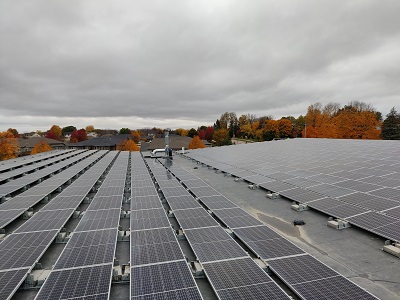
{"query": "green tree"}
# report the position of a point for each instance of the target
(192, 132)
(69, 129)
(124, 131)
(391, 126)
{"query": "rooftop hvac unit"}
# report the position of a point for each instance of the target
(338, 224)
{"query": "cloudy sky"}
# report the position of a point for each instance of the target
(183, 63)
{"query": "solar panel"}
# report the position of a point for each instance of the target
(391, 231)
(194, 183)
(154, 236)
(345, 210)
(106, 202)
(10, 281)
(46, 220)
(236, 217)
(24, 249)
(336, 288)
(7, 216)
(371, 220)
(155, 253)
(144, 192)
(80, 283)
(275, 248)
(218, 250)
(149, 218)
(206, 235)
(204, 191)
(257, 233)
(161, 278)
(99, 219)
(183, 202)
(267, 291)
(387, 193)
(299, 269)
(235, 273)
(149, 202)
(182, 294)
(394, 212)
(217, 202)
(88, 248)
(174, 191)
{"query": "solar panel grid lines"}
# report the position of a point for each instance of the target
(183, 202)
(46, 220)
(58, 285)
(149, 219)
(88, 248)
(10, 281)
(237, 273)
(24, 249)
(99, 219)
(217, 202)
(218, 250)
(371, 220)
(34, 166)
(337, 287)
(390, 231)
(155, 279)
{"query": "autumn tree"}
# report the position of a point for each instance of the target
(285, 128)
(135, 136)
(202, 134)
(208, 135)
(357, 120)
(124, 131)
(8, 146)
(78, 136)
(127, 145)
(195, 143)
(54, 133)
(40, 147)
(221, 137)
(14, 132)
(89, 128)
(181, 132)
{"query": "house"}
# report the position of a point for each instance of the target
(101, 143)
(26, 145)
(176, 142)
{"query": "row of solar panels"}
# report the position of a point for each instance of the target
(158, 266)
(229, 269)
(34, 166)
(11, 164)
(59, 174)
(21, 250)
(301, 272)
(350, 191)
(84, 268)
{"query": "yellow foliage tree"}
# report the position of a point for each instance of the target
(221, 137)
(40, 147)
(89, 128)
(8, 146)
(135, 136)
(195, 143)
(127, 145)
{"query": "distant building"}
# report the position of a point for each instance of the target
(26, 145)
(176, 142)
(108, 142)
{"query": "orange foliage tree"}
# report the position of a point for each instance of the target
(195, 143)
(135, 136)
(356, 120)
(40, 147)
(221, 137)
(8, 146)
(127, 145)
(54, 133)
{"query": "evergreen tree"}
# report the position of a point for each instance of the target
(391, 126)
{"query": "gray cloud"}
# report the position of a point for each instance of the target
(138, 63)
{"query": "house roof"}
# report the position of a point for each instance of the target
(176, 142)
(103, 141)
(31, 142)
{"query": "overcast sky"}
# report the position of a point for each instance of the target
(183, 63)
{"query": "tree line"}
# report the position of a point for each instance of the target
(356, 120)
